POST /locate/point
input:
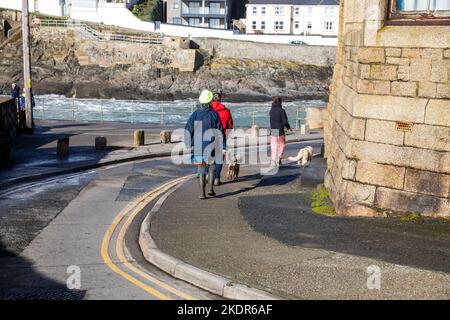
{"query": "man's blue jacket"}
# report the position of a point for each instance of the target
(205, 144)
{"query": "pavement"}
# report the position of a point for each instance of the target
(261, 232)
(55, 227)
(35, 155)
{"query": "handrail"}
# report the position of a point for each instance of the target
(90, 32)
(162, 114)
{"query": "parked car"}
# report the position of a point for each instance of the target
(298, 43)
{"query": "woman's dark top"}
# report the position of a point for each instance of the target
(278, 120)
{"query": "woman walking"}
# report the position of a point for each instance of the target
(278, 122)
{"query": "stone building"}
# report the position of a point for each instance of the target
(388, 131)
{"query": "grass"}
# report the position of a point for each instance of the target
(321, 203)
(144, 9)
(411, 217)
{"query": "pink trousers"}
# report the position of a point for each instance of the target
(277, 145)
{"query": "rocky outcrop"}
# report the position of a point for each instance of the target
(63, 63)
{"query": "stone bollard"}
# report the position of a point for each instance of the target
(100, 143)
(139, 138)
(166, 136)
(255, 131)
(62, 148)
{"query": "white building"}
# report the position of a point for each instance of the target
(297, 17)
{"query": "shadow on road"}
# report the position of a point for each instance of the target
(289, 219)
(19, 280)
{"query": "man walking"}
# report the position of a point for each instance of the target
(204, 131)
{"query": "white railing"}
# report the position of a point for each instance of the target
(142, 111)
(91, 33)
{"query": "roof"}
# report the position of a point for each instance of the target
(298, 2)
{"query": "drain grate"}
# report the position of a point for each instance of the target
(45, 295)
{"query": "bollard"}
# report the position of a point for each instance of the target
(62, 148)
(139, 138)
(100, 143)
(255, 131)
(166, 136)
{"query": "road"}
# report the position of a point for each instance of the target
(78, 225)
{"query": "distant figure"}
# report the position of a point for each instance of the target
(278, 121)
(15, 91)
(227, 124)
(204, 130)
(22, 110)
(22, 101)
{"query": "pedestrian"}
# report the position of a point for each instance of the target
(278, 122)
(22, 110)
(227, 125)
(22, 101)
(204, 131)
(15, 91)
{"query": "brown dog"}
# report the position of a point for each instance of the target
(233, 167)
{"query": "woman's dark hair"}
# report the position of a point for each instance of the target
(277, 100)
(217, 96)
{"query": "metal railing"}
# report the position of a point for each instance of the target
(91, 33)
(141, 111)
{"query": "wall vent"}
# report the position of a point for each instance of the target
(403, 126)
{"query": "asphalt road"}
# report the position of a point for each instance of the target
(62, 230)
(54, 231)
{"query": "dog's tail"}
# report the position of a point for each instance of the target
(297, 158)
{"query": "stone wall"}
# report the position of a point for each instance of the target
(388, 131)
(8, 117)
(111, 53)
(323, 56)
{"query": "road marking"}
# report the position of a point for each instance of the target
(121, 255)
(137, 205)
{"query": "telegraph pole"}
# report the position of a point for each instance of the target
(27, 65)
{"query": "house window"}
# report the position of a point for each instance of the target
(214, 7)
(297, 24)
(309, 25)
(263, 10)
(254, 10)
(263, 25)
(194, 22)
(419, 12)
(194, 7)
(310, 11)
(176, 20)
(279, 25)
(253, 25)
(214, 23)
(328, 26)
(297, 11)
(176, 5)
(279, 11)
(329, 11)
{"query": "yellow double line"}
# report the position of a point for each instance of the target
(133, 209)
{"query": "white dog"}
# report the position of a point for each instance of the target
(304, 156)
